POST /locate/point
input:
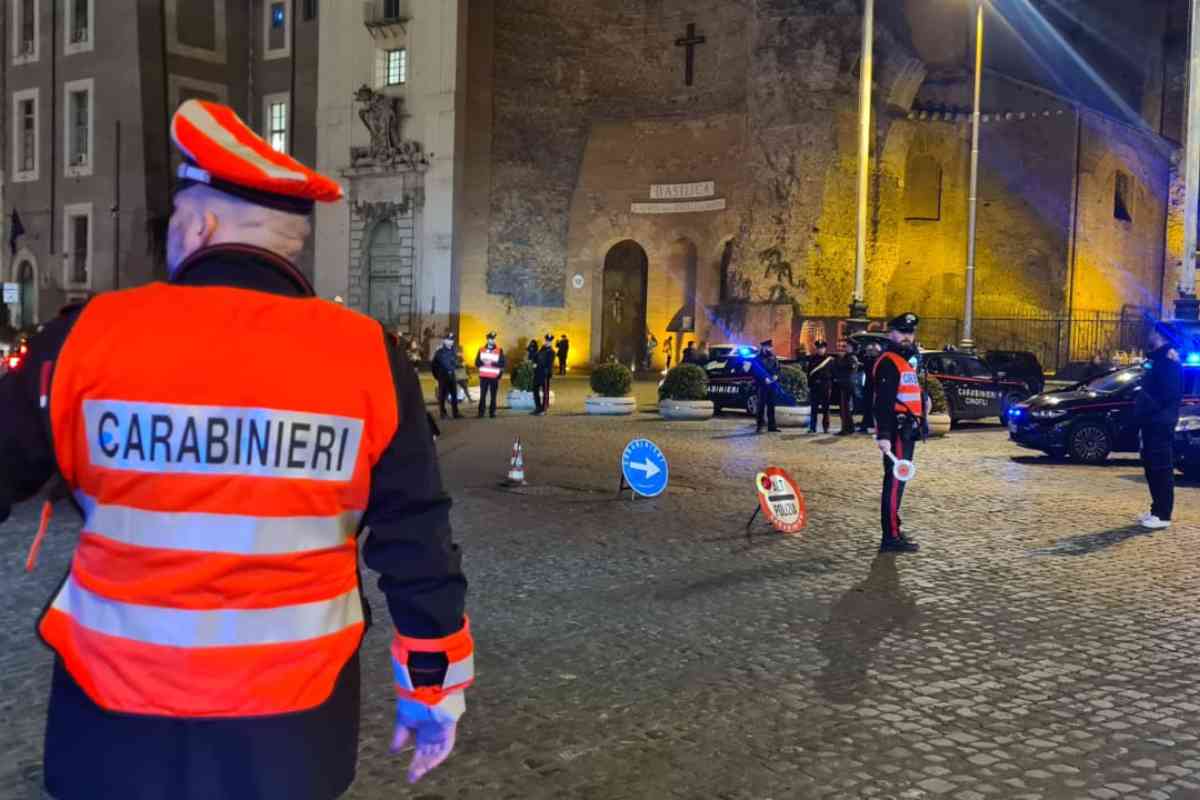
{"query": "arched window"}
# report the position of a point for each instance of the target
(923, 188)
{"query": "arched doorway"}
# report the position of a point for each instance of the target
(26, 278)
(389, 278)
(623, 326)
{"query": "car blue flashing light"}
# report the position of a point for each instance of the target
(1193, 360)
(745, 351)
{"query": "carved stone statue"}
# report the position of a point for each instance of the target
(616, 301)
(381, 115)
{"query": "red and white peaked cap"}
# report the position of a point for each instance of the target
(222, 152)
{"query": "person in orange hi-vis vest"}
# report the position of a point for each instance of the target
(206, 637)
(901, 411)
(490, 362)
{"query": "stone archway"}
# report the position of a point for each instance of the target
(623, 319)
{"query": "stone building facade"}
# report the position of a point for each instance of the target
(389, 101)
(577, 110)
(90, 86)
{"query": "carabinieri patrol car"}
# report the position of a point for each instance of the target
(973, 389)
(729, 385)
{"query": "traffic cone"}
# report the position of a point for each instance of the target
(516, 466)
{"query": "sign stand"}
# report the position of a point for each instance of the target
(623, 486)
(750, 523)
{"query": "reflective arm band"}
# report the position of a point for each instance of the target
(459, 649)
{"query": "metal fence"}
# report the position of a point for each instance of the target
(1055, 340)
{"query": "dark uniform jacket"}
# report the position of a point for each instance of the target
(309, 755)
(868, 367)
(765, 369)
(532, 350)
(445, 361)
(543, 366)
(887, 383)
(1158, 401)
(822, 377)
(845, 368)
(563, 348)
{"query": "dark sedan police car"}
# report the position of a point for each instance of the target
(974, 390)
(730, 385)
(1092, 419)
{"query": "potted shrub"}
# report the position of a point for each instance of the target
(611, 383)
(793, 382)
(520, 396)
(684, 394)
(939, 417)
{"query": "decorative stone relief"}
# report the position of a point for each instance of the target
(370, 213)
(382, 117)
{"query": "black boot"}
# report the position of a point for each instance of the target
(900, 544)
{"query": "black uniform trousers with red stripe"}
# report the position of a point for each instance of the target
(904, 447)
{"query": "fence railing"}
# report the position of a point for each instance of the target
(1055, 340)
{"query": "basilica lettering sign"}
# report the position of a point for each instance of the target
(684, 207)
(682, 191)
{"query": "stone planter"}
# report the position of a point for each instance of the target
(792, 416)
(610, 406)
(685, 409)
(939, 424)
(523, 401)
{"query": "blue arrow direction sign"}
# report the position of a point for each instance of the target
(645, 468)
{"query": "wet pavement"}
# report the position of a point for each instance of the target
(1039, 646)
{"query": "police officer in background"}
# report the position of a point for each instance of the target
(820, 385)
(845, 372)
(1156, 407)
(564, 350)
(207, 635)
(444, 366)
(764, 367)
(543, 371)
(870, 356)
(901, 408)
(490, 362)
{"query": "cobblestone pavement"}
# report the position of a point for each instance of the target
(1038, 646)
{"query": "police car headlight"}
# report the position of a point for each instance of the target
(1188, 424)
(1048, 413)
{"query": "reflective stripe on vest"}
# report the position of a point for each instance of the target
(216, 573)
(908, 391)
(490, 363)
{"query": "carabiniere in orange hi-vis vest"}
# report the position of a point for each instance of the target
(908, 392)
(216, 572)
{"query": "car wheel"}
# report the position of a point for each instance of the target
(752, 405)
(1089, 443)
(1006, 405)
